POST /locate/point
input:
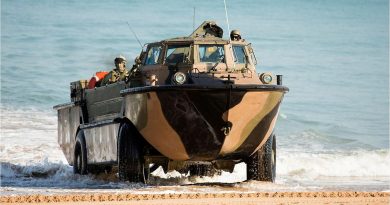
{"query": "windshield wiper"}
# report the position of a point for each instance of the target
(216, 64)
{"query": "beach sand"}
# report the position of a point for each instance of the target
(328, 197)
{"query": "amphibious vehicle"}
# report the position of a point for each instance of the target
(193, 104)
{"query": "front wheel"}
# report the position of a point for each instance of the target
(261, 166)
(131, 165)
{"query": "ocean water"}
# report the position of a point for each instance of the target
(333, 128)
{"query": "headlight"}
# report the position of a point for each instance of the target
(179, 78)
(266, 78)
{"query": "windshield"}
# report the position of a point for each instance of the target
(239, 54)
(177, 54)
(153, 54)
(211, 53)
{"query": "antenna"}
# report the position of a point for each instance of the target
(193, 21)
(230, 45)
(227, 18)
(134, 35)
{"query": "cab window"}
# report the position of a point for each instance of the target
(177, 54)
(252, 54)
(239, 54)
(211, 53)
(153, 55)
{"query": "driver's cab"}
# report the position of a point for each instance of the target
(197, 59)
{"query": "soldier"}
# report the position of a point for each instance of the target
(235, 35)
(119, 73)
(135, 69)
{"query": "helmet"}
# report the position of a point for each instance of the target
(235, 32)
(120, 59)
(235, 35)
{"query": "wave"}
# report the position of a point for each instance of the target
(52, 174)
(44, 169)
(359, 163)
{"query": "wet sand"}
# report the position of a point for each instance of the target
(205, 198)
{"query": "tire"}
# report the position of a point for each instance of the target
(131, 166)
(80, 155)
(261, 166)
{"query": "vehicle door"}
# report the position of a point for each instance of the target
(152, 64)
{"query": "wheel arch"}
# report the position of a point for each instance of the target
(77, 132)
(140, 139)
(125, 120)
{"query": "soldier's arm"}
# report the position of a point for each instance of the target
(114, 77)
(106, 79)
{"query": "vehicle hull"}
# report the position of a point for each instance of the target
(203, 122)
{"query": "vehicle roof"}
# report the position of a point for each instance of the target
(198, 40)
(207, 33)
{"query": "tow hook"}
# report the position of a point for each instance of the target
(227, 128)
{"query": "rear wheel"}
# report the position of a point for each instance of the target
(261, 166)
(80, 155)
(131, 165)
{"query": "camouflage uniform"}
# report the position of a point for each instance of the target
(115, 76)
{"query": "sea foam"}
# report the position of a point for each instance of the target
(29, 150)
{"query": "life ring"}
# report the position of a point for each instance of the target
(96, 78)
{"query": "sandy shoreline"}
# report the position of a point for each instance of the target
(206, 198)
